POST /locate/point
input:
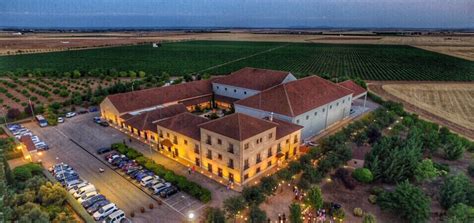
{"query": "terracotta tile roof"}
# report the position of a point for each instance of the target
(285, 128)
(296, 97)
(131, 101)
(225, 99)
(238, 126)
(145, 120)
(351, 85)
(26, 140)
(197, 100)
(253, 78)
(126, 116)
(184, 123)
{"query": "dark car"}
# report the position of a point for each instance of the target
(104, 124)
(82, 112)
(104, 150)
(168, 192)
(97, 205)
(93, 109)
(93, 200)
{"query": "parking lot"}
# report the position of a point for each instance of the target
(75, 141)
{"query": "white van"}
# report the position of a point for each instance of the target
(84, 190)
(115, 217)
(104, 211)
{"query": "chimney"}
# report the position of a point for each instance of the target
(271, 116)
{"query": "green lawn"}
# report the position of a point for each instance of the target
(372, 62)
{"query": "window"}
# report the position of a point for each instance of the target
(235, 91)
(269, 152)
(330, 106)
(197, 162)
(258, 170)
(217, 87)
(196, 148)
(209, 167)
(245, 92)
(307, 117)
(259, 140)
(337, 104)
(208, 140)
(175, 140)
(270, 135)
(287, 141)
(246, 146)
(167, 135)
(230, 164)
(295, 139)
(246, 164)
(343, 101)
(225, 89)
(279, 148)
(298, 121)
(219, 141)
(246, 176)
(324, 109)
(230, 149)
(259, 159)
(269, 163)
(219, 156)
(185, 142)
(231, 177)
(316, 113)
(219, 172)
(209, 154)
(161, 133)
(294, 150)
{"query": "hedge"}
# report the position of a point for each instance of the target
(181, 182)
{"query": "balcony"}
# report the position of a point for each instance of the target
(246, 166)
(230, 165)
(259, 160)
(230, 150)
(208, 142)
(209, 156)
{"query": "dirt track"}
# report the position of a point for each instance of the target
(376, 87)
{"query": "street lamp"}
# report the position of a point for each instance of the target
(191, 216)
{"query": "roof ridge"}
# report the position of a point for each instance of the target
(288, 101)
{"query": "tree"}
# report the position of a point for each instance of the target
(31, 212)
(408, 201)
(233, 206)
(29, 109)
(187, 77)
(295, 213)
(460, 213)
(76, 74)
(373, 134)
(13, 113)
(470, 169)
(453, 148)
(268, 185)
(456, 189)
(253, 195)
(314, 198)
(363, 175)
(369, 218)
(52, 194)
(215, 215)
(256, 215)
(141, 74)
(425, 170)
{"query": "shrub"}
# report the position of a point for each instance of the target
(343, 175)
(456, 189)
(363, 175)
(369, 218)
(470, 169)
(376, 190)
(26, 171)
(358, 212)
(372, 199)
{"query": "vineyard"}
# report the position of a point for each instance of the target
(370, 62)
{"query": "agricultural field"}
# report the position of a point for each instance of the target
(369, 62)
(450, 104)
(15, 93)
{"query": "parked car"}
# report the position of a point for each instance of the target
(115, 217)
(160, 187)
(78, 187)
(104, 150)
(143, 175)
(42, 146)
(104, 211)
(104, 124)
(146, 180)
(71, 183)
(93, 208)
(84, 190)
(97, 119)
(155, 182)
(168, 191)
(60, 119)
(91, 201)
(112, 158)
(86, 197)
(58, 167)
(93, 109)
(70, 114)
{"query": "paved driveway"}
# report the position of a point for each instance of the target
(73, 144)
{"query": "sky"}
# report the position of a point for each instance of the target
(237, 13)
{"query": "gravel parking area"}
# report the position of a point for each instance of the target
(73, 142)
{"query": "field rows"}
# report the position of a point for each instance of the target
(370, 62)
